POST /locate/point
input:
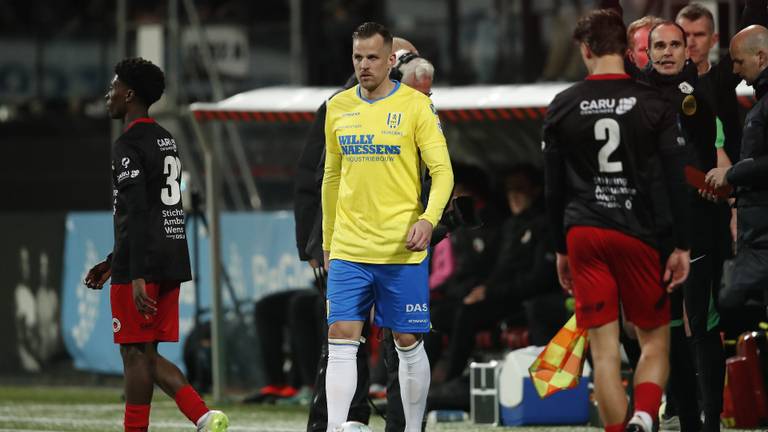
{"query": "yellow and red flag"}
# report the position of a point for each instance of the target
(559, 366)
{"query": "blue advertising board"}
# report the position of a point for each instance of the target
(258, 253)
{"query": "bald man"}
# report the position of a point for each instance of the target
(749, 177)
(399, 43)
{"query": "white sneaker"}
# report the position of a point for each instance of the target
(669, 424)
(353, 426)
(213, 421)
(640, 424)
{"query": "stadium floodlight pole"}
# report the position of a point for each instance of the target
(121, 26)
(214, 234)
(218, 94)
(172, 70)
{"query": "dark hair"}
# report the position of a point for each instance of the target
(603, 31)
(471, 177)
(530, 172)
(663, 23)
(371, 29)
(143, 77)
(694, 11)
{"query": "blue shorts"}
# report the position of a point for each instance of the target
(399, 291)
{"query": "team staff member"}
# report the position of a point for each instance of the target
(637, 39)
(150, 257)
(604, 140)
(375, 229)
(679, 81)
(749, 50)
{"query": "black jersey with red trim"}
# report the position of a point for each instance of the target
(614, 158)
(150, 237)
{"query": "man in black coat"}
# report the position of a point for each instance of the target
(749, 177)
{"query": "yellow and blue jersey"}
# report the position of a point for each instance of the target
(372, 180)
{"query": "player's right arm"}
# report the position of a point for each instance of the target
(555, 193)
(554, 174)
(331, 180)
(99, 274)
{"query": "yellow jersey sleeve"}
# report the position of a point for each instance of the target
(331, 177)
(434, 153)
(429, 132)
(438, 161)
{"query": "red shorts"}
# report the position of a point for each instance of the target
(129, 326)
(611, 268)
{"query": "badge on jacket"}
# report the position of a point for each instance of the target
(689, 105)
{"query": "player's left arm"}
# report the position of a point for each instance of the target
(132, 185)
(434, 153)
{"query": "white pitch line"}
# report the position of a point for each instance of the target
(15, 407)
(118, 423)
(30, 430)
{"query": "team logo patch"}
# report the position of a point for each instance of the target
(394, 119)
(685, 87)
(125, 162)
(526, 237)
(689, 105)
(116, 326)
(625, 105)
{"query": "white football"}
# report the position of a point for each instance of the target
(353, 426)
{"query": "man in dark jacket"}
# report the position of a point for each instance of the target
(523, 269)
(749, 50)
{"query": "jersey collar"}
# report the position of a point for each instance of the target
(139, 120)
(608, 76)
(370, 101)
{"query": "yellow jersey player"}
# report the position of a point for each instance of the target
(379, 136)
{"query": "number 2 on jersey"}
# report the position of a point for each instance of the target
(172, 169)
(608, 129)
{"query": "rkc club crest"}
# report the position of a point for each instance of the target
(393, 119)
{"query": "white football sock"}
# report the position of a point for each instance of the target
(414, 378)
(340, 380)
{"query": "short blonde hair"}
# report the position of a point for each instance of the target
(648, 21)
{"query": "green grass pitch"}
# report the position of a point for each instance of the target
(45, 408)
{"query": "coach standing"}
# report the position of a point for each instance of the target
(749, 51)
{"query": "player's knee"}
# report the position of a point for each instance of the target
(404, 340)
(135, 354)
(606, 357)
(343, 330)
(656, 350)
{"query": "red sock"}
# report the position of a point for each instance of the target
(648, 398)
(190, 403)
(619, 427)
(136, 418)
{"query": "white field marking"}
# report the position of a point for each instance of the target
(15, 407)
(31, 430)
(37, 420)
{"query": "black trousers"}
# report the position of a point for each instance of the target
(706, 350)
(286, 311)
